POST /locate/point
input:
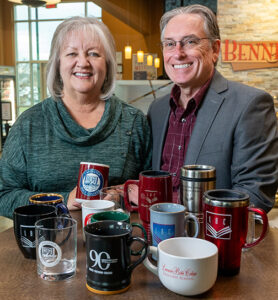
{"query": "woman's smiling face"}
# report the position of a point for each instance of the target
(82, 64)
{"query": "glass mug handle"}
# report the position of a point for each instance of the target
(196, 224)
(263, 214)
(128, 206)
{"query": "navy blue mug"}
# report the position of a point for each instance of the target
(53, 199)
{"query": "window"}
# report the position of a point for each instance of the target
(34, 28)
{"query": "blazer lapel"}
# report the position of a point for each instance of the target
(205, 117)
(159, 121)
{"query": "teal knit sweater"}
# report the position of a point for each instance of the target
(45, 147)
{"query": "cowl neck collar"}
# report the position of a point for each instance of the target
(68, 130)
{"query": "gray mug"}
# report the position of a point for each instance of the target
(169, 220)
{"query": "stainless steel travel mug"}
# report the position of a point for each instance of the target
(195, 180)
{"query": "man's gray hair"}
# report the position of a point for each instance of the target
(210, 22)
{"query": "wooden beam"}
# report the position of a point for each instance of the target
(136, 14)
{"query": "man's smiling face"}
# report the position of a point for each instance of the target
(189, 66)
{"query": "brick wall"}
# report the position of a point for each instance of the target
(249, 20)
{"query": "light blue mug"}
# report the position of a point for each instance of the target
(169, 220)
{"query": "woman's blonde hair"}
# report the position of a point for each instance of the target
(99, 30)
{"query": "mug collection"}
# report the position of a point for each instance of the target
(186, 244)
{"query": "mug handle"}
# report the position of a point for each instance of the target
(144, 251)
(62, 209)
(151, 267)
(196, 224)
(263, 214)
(135, 253)
(128, 206)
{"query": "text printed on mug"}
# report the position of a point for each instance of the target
(102, 261)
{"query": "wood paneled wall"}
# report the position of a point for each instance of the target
(6, 34)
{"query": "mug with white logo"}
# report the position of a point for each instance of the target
(92, 178)
(226, 225)
(108, 248)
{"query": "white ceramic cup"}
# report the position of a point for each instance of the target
(186, 266)
(91, 207)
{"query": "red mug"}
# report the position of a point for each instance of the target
(226, 225)
(153, 187)
(91, 179)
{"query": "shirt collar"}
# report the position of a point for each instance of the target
(176, 91)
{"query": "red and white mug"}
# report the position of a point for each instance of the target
(226, 225)
(91, 179)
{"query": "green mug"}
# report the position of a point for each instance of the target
(114, 215)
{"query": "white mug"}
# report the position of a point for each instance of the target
(91, 207)
(186, 266)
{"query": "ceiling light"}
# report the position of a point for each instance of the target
(128, 51)
(140, 56)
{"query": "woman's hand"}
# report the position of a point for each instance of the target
(72, 204)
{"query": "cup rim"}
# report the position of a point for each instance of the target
(32, 198)
(230, 197)
(37, 226)
(182, 208)
(95, 164)
(159, 174)
(213, 246)
(109, 212)
(107, 236)
(15, 212)
(83, 204)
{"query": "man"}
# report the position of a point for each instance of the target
(208, 119)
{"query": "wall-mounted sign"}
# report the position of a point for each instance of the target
(250, 55)
(141, 71)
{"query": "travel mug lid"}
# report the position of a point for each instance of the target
(202, 172)
(226, 198)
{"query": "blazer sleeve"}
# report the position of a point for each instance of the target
(254, 167)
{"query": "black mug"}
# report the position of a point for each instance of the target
(24, 218)
(108, 248)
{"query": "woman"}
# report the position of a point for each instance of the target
(81, 121)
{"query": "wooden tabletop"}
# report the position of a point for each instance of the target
(258, 277)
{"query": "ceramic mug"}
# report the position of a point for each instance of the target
(169, 220)
(92, 178)
(186, 266)
(24, 218)
(153, 187)
(121, 217)
(89, 208)
(108, 248)
(54, 199)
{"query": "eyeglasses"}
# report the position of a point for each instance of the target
(188, 42)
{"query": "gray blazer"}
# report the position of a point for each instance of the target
(235, 131)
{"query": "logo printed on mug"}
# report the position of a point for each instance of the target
(162, 232)
(26, 233)
(91, 182)
(102, 260)
(219, 226)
